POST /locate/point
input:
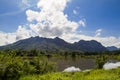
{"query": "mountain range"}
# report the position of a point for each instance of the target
(112, 48)
(55, 44)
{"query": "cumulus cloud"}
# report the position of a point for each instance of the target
(6, 38)
(51, 20)
(21, 33)
(111, 65)
(72, 69)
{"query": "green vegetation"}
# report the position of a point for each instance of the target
(88, 75)
(36, 65)
(13, 66)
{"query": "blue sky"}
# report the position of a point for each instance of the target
(97, 16)
(103, 14)
(12, 14)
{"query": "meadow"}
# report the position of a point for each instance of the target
(98, 74)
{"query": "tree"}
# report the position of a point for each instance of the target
(100, 60)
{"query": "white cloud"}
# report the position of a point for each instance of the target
(32, 15)
(25, 4)
(82, 22)
(98, 32)
(21, 33)
(74, 12)
(51, 20)
(7, 38)
(52, 5)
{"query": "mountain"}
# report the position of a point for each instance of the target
(91, 46)
(112, 48)
(39, 43)
(55, 44)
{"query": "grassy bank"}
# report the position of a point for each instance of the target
(99, 74)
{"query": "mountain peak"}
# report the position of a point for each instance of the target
(57, 38)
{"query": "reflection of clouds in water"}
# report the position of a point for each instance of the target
(106, 66)
(110, 65)
(72, 69)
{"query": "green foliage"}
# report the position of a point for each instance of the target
(27, 68)
(12, 71)
(100, 61)
(43, 66)
(32, 64)
(89, 75)
(13, 66)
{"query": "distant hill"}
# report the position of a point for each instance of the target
(55, 44)
(112, 48)
(90, 46)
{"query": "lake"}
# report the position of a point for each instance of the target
(81, 63)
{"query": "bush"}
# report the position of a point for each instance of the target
(43, 66)
(27, 68)
(100, 61)
(11, 72)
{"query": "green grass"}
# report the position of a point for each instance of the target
(99, 74)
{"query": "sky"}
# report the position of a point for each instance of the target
(71, 20)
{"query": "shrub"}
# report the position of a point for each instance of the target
(11, 72)
(100, 61)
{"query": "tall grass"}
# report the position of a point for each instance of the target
(98, 74)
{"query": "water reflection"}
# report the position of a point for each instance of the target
(81, 63)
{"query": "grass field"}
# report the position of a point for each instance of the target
(98, 74)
